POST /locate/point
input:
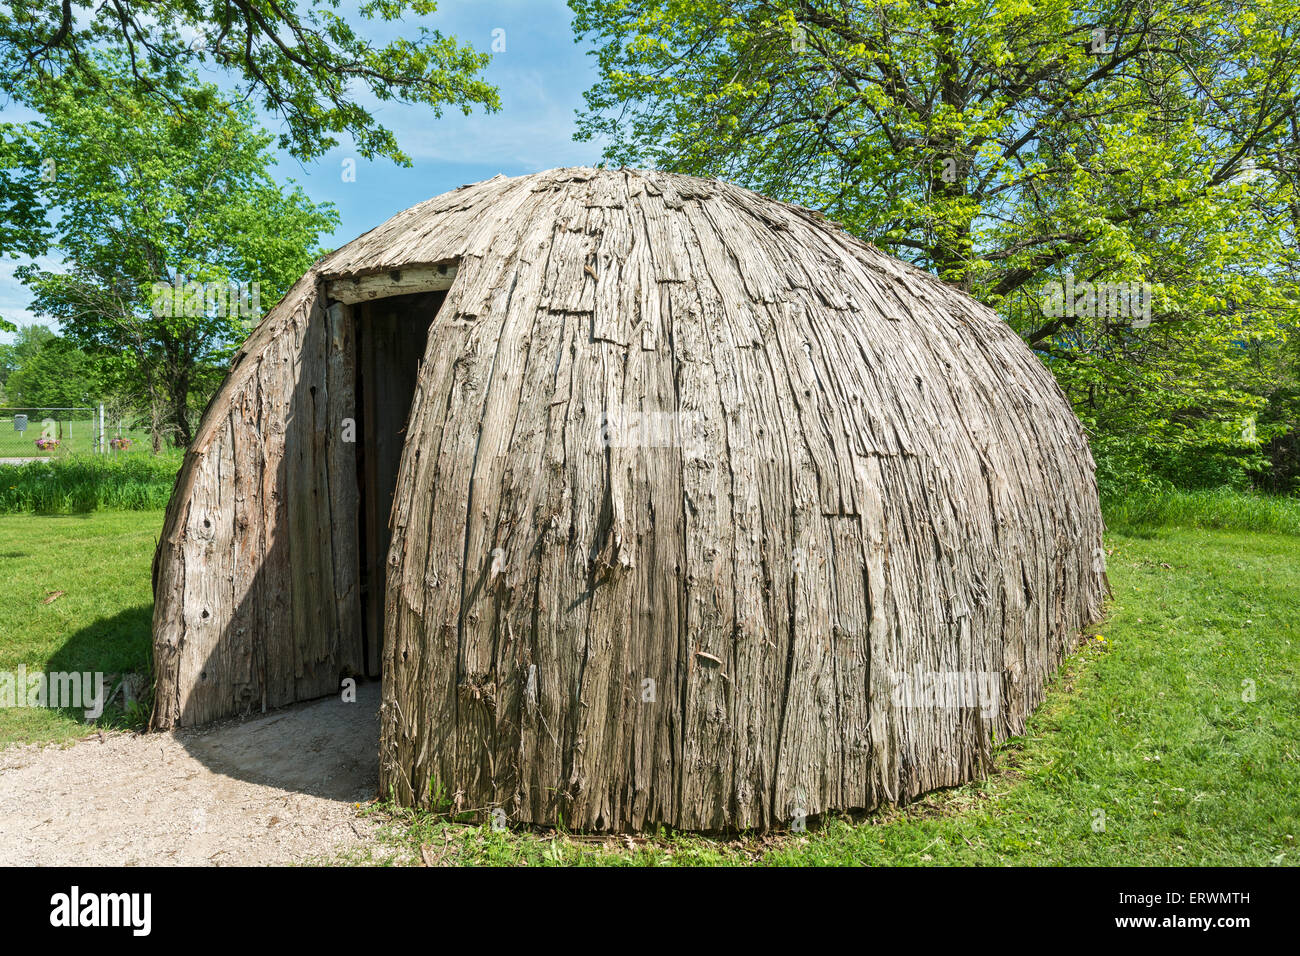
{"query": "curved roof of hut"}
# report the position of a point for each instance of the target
(606, 237)
(628, 229)
(770, 248)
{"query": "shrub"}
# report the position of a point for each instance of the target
(80, 483)
(1221, 509)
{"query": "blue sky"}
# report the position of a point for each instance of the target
(541, 76)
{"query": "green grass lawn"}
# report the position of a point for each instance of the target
(1174, 740)
(100, 622)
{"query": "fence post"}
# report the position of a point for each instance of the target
(102, 442)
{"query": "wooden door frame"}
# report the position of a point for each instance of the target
(372, 603)
(357, 296)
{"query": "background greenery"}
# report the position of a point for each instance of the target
(1010, 146)
(1003, 146)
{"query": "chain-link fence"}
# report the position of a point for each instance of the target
(47, 432)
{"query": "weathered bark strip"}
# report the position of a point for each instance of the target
(392, 283)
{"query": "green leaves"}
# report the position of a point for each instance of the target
(146, 195)
(23, 228)
(302, 61)
(52, 372)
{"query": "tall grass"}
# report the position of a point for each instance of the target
(81, 483)
(1218, 509)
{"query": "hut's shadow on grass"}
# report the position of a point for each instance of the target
(113, 645)
(325, 748)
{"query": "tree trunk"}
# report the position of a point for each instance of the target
(179, 412)
(952, 240)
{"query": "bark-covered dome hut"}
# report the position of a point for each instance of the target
(651, 499)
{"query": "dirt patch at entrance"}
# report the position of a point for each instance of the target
(278, 788)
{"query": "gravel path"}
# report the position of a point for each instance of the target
(274, 789)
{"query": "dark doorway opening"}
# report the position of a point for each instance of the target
(391, 335)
